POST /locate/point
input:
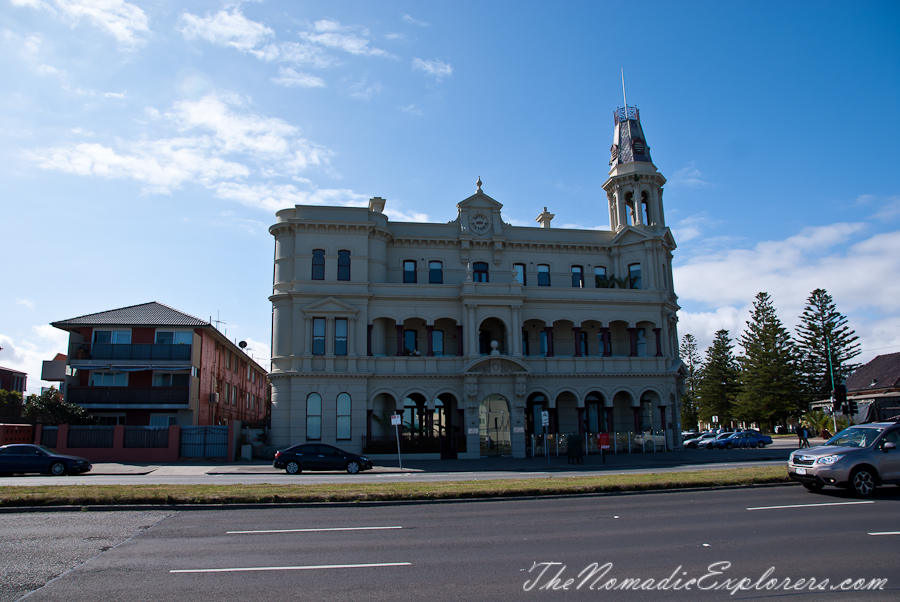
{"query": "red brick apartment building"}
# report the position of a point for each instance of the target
(152, 365)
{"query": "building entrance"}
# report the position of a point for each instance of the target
(493, 426)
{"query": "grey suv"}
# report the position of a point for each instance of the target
(860, 458)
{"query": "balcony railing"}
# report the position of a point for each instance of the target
(93, 396)
(115, 351)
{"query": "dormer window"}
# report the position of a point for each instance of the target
(613, 153)
(638, 146)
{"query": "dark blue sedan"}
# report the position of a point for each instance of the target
(20, 457)
(319, 456)
(747, 439)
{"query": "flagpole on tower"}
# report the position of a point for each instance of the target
(623, 93)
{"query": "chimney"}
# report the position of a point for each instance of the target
(376, 204)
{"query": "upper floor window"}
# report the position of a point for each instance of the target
(634, 275)
(318, 264)
(343, 265)
(174, 337)
(340, 336)
(600, 280)
(318, 336)
(409, 342)
(170, 379)
(228, 358)
(544, 346)
(409, 272)
(641, 342)
(577, 276)
(543, 275)
(525, 345)
(116, 337)
(481, 271)
(437, 342)
(314, 416)
(343, 416)
(435, 272)
(109, 379)
(520, 273)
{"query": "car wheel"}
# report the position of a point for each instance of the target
(353, 467)
(760, 445)
(814, 486)
(292, 467)
(709, 446)
(862, 482)
(57, 469)
(728, 446)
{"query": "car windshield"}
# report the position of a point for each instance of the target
(855, 437)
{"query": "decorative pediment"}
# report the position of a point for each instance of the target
(330, 306)
(630, 234)
(479, 200)
(496, 365)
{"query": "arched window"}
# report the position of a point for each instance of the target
(543, 275)
(577, 276)
(343, 265)
(318, 264)
(481, 271)
(520, 273)
(634, 275)
(435, 272)
(409, 272)
(437, 342)
(600, 280)
(343, 416)
(314, 416)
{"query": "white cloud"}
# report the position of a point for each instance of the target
(274, 197)
(437, 69)
(413, 110)
(692, 227)
(27, 355)
(298, 54)
(114, 94)
(120, 19)
(226, 29)
(689, 177)
(289, 78)
(889, 209)
(839, 257)
(26, 302)
(406, 216)
(259, 351)
(407, 19)
(362, 89)
(347, 42)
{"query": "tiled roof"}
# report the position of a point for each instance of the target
(884, 371)
(146, 314)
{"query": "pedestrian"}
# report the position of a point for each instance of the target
(799, 430)
(805, 435)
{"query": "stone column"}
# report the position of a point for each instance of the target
(576, 331)
(549, 331)
(607, 343)
(460, 349)
(399, 329)
(632, 334)
(472, 330)
(516, 328)
(307, 340)
(637, 419)
(657, 332)
(329, 335)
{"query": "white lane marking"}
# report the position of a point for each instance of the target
(886, 533)
(312, 530)
(293, 568)
(811, 505)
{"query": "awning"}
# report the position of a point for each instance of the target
(129, 368)
(81, 366)
(171, 368)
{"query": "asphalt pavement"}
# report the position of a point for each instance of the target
(779, 450)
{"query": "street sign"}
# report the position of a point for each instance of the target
(395, 419)
(545, 418)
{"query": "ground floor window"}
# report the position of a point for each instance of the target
(314, 416)
(343, 416)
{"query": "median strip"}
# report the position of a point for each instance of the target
(310, 530)
(294, 568)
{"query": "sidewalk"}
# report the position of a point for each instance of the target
(778, 451)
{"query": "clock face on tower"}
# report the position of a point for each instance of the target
(479, 223)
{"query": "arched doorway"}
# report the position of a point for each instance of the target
(493, 426)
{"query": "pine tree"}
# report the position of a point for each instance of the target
(718, 380)
(770, 383)
(690, 357)
(822, 329)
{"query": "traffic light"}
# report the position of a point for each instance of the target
(853, 407)
(840, 394)
(835, 404)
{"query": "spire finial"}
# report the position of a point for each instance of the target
(625, 98)
(478, 183)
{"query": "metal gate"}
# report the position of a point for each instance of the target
(204, 441)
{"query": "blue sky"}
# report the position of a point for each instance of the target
(146, 145)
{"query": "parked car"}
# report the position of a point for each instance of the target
(858, 458)
(23, 458)
(743, 439)
(699, 442)
(319, 456)
(714, 442)
(650, 441)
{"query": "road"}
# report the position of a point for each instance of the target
(477, 550)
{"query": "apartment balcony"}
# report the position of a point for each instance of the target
(85, 354)
(129, 397)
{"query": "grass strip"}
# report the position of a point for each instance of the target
(267, 493)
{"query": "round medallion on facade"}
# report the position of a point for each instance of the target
(479, 223)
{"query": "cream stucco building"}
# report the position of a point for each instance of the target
(473, 328)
